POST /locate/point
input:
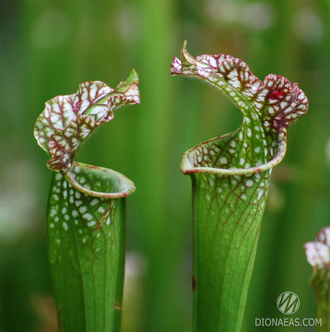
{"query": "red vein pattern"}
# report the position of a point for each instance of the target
(67, 121)
(268, 108)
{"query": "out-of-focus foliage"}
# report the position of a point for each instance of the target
(50, 47)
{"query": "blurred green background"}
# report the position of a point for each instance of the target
(50, 47)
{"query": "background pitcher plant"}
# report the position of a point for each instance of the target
(230, 176)
(318, 256)
(86, 209)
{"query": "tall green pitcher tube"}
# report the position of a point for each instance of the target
(230, 179)
(86, 209)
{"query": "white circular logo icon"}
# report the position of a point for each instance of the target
(288, 303)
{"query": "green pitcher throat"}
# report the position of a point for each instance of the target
(230, 176)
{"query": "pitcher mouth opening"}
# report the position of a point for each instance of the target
(189, 167)
(119, 185)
